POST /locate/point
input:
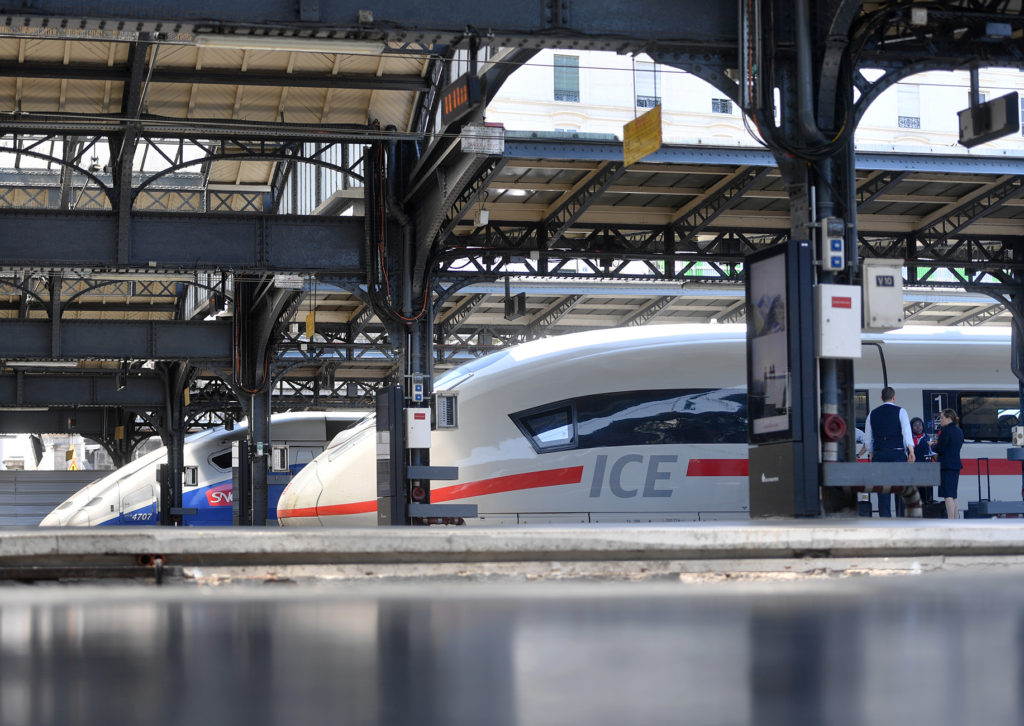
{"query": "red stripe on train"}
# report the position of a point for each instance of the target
(995, 467)
(717, 467)
(514, 482)
(498, 485)
(333, 509)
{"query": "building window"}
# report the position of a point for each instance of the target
(648, 82)
(721, 105)
(908, 106)
(567, 78)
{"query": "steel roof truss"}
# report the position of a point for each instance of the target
(951, 221)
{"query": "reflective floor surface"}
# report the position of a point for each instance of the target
(931, 649)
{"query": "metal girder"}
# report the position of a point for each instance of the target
(694, 217)
(877, 185)
(969, 259)
(102, 307)
(939, 229)
(587, 23)
(910, 311)
(471, 192)
(458, 180)
(185, 242)
(94, 389)
(517, 148)
(458, 316)
(648, 312)
(118, 74)
(358, 323)
(736, 313)
(89, 422)
(116, 340)
(539, 325)
(341, 392)
(976, 316)
(559, 221)
(624, 252)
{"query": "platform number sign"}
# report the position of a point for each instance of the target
(885, 281)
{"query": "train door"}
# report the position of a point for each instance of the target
(138, 501)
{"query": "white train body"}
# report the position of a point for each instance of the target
(644, 424)
(129, 495)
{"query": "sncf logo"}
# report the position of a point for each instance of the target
(219, 496)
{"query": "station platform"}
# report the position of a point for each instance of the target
(557, 551)
(781, 622)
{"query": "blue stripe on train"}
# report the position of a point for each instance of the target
(212, 502)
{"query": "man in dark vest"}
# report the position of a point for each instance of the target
(889, 438)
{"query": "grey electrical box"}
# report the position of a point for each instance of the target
(279, 458)
(883, 295)
(446, 410)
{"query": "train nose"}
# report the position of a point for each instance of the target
(297, 506)
(53, 519)
(60, 516)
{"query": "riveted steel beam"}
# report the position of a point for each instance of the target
(53, 239)
(116, 340)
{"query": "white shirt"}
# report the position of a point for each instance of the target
(908, 435)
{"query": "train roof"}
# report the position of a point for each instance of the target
(218, 433)
(611, 339)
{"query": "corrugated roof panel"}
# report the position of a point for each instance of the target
(40, 96)
(88, 97)
(392, 107)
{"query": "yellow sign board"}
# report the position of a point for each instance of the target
(641, 136)
(310, 325)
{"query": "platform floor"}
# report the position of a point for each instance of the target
(932, 648)
(844, 638)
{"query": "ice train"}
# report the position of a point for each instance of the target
(650, 425)
(129, 494)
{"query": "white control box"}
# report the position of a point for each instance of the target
(883, 295)
(417, 428)
(837, 315)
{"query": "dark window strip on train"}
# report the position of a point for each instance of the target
(984, 415)
(637, 418)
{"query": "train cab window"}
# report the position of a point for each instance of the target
(222, 460)
(551, 428)
(989, 415)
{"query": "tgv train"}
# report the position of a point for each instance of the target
(129, 495)
(649, 424)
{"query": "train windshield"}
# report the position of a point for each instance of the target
(346, 438)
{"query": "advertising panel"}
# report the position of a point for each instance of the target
(768, 365)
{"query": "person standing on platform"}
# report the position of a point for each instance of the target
(922, 453)
(947, 453)
(889, 438)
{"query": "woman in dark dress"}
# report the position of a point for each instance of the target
(923, 454)
(947, 453)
